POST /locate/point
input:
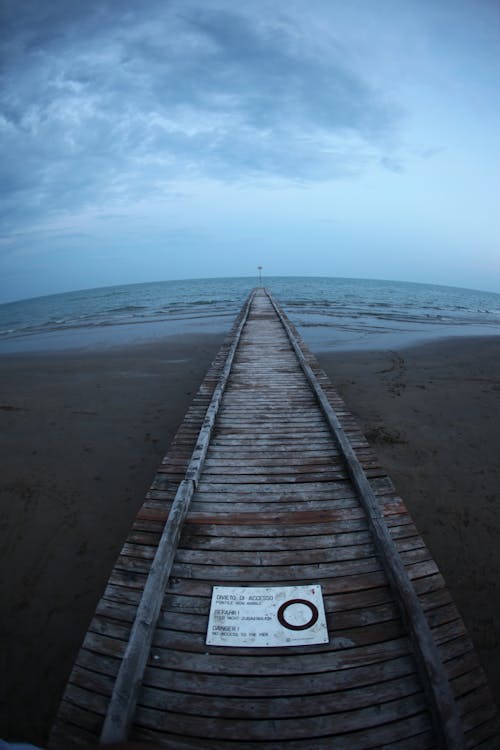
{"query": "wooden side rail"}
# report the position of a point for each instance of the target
(128, 682)
(442, 704)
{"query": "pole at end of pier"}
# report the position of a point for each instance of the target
(260, 275)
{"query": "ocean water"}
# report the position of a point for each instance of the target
(330, 313)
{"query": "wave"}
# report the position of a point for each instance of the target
(325, 304)
(127, 308)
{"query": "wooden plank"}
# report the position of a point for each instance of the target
(415, 737)
(272, 556)
(293, 531)
(280, 686)
(260, 543)
(306, 659)
(343, 584)
(196, 622)
(338, 490)
(272, 505)
(91, 691)
(265, 730)
(348, 711)
(364, 601)
(352, 639)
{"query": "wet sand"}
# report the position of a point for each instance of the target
(431, 413)
(81, 437)
(82, 434)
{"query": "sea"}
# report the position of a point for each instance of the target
(330, 313)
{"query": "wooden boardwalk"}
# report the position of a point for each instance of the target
(269, 482)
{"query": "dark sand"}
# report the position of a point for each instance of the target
(81, 436)
(431, 413)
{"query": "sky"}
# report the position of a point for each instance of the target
(175, 139)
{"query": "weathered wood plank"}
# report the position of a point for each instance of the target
(281, 686)
(360, 740)
(264, 730)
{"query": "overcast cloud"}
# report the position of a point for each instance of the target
(118, 118)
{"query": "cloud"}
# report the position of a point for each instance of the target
(393, 165)
(284, 83)
(103, 102)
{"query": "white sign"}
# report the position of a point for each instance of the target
(272, 616)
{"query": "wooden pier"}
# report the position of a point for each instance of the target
(269, 482)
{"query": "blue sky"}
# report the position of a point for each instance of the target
(174, 139)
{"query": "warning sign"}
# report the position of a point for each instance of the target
(272, 616)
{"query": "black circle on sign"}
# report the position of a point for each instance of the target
(309, 624)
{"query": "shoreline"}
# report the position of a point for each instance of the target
(83, 433)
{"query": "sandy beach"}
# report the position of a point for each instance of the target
(431, 414)
(81, 435)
